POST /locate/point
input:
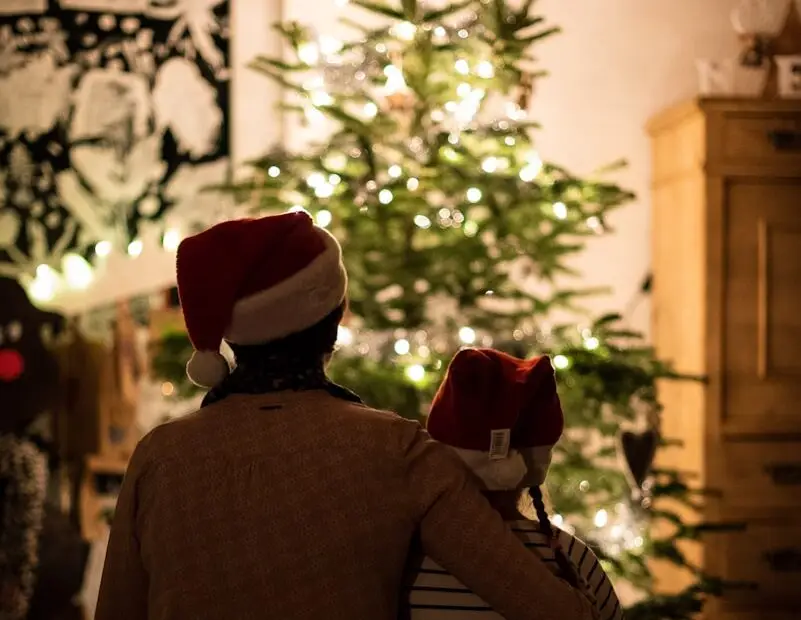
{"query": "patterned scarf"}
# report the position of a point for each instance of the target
(261, 369)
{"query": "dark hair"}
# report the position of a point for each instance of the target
(315, 341)
(567, 570)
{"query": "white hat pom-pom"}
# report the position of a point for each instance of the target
(207, 368)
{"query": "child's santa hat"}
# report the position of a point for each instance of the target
(501, 415)
(251, 281)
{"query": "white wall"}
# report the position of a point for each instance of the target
(617, 63)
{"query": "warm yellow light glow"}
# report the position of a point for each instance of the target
(309, 53)
(421, 221)
(402, 346)
(560, 210)
(395, 171)
(561, 362)
(467, 335)
(44, 286)
(416, 373)
(135, 247)
(344, 336)
(485, 70)
(474, 194)
(385, 196)
(171, 240)
(405, 31)
(77, 272)
(323, 218)
(103, 248)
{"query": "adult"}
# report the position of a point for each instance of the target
(283, 496)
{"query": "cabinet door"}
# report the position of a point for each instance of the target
(762, 307)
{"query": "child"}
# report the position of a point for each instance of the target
(502, 417)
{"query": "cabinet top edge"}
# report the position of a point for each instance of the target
(679, 112)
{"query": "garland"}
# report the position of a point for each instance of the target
(23, 480)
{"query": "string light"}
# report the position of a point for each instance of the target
(171, 240)
(324, 190)
(561, 362)
(103, 248)
(344, 336)
(273, 171)
(462, 66)
(323, 218)
(560, 210)
(532, 167)
(601, 518)
(485, 70)
(135, 247)
(402, 346)
(489, 164)
(467, 335)
(308, 53)
(334, 179)
(315, 179)
(405, 31)
(370, 109)
(44, 285)
(416, 373)
(591, 343)
(421, 221)
(412, 184)
(330, 45)
(470, 228)
(474, 194)
(395, 171)
(77, 272)
(593, 223)
(385, 196)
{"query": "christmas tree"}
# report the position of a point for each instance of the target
(455, 233)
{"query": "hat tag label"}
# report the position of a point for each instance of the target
(499, 443)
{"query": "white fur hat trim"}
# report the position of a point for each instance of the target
(207, 368)
(518, 470)
(294, 304)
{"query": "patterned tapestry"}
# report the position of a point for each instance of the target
(113, 114)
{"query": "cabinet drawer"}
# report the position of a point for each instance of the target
(764, 138)
(767, 556)
(762, 477)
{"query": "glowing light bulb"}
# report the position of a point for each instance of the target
(334, 179)
(412, 184)
(323, 218)
(321, 98)
(593, 223)
(395, 81)
(405, 31)
(532, 168)
(344, 336)
(470, 228)
(44, 285)
(601, 518)
(167, 389)
(558, 520)
(330, 45)
(273, 171)
(402, 346)
(462, 67)
(385, 196)
(77, 272)
(490, 164)
(171, 240)
(560, 210)
(485, 70)
(416, 373)
(395, 171)
(463, 90)
(135, 247)
(467, 335)
(103, 248)
(421, 221)
(309, 53)
(440, 32)
(324, 190)
(561, 362)
(474, 194)
(370, 109)
(509, 141)
(591, 343)
(315, 179)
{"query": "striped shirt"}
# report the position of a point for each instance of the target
(438, 595)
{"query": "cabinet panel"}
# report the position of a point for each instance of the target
(762, 477)
(762, 307)
(768, 558)
(765, 138)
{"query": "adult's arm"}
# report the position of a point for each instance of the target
(462, 533)
(124, 585)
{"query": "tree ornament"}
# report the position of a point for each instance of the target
(639, 450)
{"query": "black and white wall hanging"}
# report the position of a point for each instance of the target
(114, 116)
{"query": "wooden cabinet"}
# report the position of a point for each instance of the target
(726, 260)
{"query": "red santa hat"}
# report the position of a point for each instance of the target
(252, 281)
(501, 415)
